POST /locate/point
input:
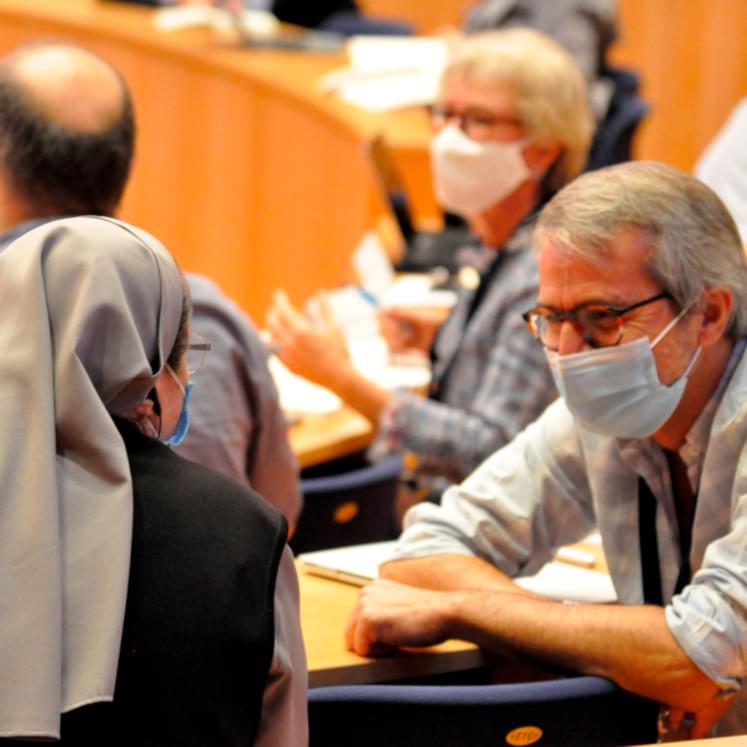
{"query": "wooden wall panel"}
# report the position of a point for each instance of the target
(692, 57)
(242, 168)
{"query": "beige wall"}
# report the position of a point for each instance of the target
(692, 55)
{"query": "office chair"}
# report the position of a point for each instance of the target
(588, 711)
(349, 508)
(613, 139)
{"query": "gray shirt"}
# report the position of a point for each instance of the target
(235, 422)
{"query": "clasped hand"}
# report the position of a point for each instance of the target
(388, 615)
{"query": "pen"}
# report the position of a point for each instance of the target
(368, 296)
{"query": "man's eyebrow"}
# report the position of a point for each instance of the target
(588, 302)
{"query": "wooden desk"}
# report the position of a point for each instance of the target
(322, 438)
(325, 606)
(243, 169)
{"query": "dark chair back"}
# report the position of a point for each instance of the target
(588, 711)
(613, 139)
(349, 508)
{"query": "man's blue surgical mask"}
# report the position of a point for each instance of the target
(182, 424)
(616, 390)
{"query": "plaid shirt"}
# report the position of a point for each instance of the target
(555, 481)
(489, 378)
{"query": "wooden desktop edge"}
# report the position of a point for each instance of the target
(330, 663)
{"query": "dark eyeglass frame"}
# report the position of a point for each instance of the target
(572, 315)
(474, 122)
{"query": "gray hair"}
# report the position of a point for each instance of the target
(693, 240)
(549, 87)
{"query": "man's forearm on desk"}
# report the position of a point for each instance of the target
(448, 573)
(631, 645)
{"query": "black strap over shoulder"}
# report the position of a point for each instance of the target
(649, 544)
(650, 567)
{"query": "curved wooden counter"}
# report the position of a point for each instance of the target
(243, 169)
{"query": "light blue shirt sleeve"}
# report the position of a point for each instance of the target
(516, 508)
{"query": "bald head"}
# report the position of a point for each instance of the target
(68, 86)
(66, 130)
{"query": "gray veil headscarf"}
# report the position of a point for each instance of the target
(91, 309)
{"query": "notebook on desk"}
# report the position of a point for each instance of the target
(562, 581)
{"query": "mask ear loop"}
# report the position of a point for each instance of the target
(663, 333)
(671, 325)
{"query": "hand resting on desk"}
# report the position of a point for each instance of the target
(389, 615)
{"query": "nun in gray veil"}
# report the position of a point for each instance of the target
(132, 583)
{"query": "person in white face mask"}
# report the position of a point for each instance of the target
(642, 310)
(511, 126)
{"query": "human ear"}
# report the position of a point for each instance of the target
(715, 306)
(540, 156)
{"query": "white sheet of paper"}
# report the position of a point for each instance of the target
(372, 265)
(417, 290)
(298, 396)
(388, 53)
(359, 564)
(390, 91)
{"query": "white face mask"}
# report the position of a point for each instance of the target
(471, 176)
(616, 391)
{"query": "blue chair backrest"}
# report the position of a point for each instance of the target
(583, 711)
(613, 138)
(349, 508)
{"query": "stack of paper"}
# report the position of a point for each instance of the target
(389, 72)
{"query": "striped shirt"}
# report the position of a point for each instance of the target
(489, 376)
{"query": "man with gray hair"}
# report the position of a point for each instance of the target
(643, 313)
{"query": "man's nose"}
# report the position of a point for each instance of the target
(570, 339)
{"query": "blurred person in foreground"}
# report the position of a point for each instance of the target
(642, 312)
(146, 599)
(510, 128)
(67, 135)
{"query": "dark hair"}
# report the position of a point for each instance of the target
(57, 170)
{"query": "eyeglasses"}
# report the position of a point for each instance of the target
(478, 124)
(197, 350)
(600, 325)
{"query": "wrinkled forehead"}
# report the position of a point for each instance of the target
(611, 272)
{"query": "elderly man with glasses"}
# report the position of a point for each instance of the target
(642, 312)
